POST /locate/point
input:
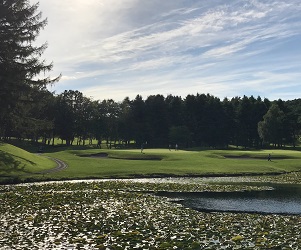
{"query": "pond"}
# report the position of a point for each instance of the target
(276, 199)
(121, 214)
(282, 199)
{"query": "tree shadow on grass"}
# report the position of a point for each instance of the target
(9, 163)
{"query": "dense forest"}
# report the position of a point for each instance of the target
(200, 120)
(29, 111)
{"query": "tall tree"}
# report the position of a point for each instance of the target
(258, 111)
(229, 121)
(73, 114)
(20, 59)
(97, 122)
(111, 112)
(271, 128)
(293, 120)
(191, 117)
(126, 122)
(139, 120)
(157, 120)
(244, 116)
(215, 123)
(175, 108)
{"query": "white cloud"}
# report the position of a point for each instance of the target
(204, 46)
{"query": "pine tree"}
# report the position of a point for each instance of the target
(20, 58)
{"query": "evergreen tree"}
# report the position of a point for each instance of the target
(138, 112)
(271, 128)
(126, 125)
(293, 121)
(20, 63)
(65, 116)
(156, 120)
(111, 111)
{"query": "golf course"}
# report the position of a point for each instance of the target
(106, 208)
(87, 162)
(170, 125)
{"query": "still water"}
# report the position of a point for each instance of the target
(283, 199)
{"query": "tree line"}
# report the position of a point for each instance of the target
(200, 120)
(29, 111)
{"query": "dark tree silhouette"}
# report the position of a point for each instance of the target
(20, 59)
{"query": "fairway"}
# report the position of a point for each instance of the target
(85, 162)
(95, 163)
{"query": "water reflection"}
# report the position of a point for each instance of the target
(284, 199)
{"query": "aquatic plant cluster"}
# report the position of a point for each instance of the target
(123, 215)
(291, 178)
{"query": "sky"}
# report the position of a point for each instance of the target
(226, 48)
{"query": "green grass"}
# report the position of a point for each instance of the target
(15, 161)
(129, 163)
(162, 162)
